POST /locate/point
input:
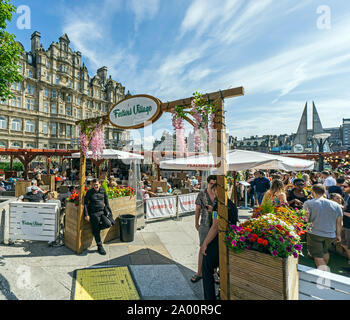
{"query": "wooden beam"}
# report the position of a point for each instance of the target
(80, 218)
(229, 93)
(222, 199)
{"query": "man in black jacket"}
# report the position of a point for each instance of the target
(96, 201)
(210, 248)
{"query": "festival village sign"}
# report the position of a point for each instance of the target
(140, 110)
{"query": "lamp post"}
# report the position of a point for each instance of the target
(321, 139)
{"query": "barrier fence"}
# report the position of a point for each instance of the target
(170, 206)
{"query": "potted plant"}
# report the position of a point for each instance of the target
(264, 253)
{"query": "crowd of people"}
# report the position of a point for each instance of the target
(324, 195)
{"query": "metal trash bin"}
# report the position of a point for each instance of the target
(127, 227)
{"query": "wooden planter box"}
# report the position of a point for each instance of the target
(119, 206)
(258, 276)
(49, 180)
(21, 187)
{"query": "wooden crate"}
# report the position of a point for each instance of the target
(21, 187)
(258, 276)
(49, 179)
(119, 206)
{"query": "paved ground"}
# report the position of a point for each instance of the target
(33, 270)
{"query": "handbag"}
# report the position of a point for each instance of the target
(108, 213)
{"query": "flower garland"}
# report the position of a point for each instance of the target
(203, 113)
(178, 124)
(92, 134)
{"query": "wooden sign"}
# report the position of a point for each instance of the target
(135, 112)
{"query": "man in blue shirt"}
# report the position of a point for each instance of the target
(261, 184)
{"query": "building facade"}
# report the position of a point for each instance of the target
(56, 90)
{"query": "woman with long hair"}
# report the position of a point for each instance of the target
(276, 192)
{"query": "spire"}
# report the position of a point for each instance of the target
(316, 122)
(301, 136)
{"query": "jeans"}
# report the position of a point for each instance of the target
(210, 262)
(96, 220)
(260, 196)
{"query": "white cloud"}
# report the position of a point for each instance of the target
(143, 10)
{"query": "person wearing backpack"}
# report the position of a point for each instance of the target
(210, 247)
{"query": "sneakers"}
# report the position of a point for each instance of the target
(101, 250)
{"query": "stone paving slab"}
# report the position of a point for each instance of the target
(164, 281)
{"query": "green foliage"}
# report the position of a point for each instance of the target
(10, 52)
(16, 166)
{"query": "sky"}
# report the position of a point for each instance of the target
(283, 52)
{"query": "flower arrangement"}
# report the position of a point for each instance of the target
(74, 197)
(272, 229)
(118, 192)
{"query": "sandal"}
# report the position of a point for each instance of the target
(195, 278)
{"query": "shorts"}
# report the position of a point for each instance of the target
(318, 246)
(203, 232)
(345, 237)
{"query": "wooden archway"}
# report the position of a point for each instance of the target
(217, 97)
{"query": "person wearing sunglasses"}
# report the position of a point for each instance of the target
(298, 195)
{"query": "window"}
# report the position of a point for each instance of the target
(45, 127)
(3, 124)
(46, 93)
(30, 104)
(96, 105)
(30, 89)
(16, 86)
(30, 146)
(48, 64)
(79, 114)
(30, 74)
(30, 58)
(2, 101)
(68, 111)
(16, 145)
(48, 76)
(54, 108)
(2, 144)
(46, 107)
(29, 126)
(69, 130)
(68, 98)
(79, 101)
(20, 68)
(53, 146)
(13, 102)
(57, 80)
(70, 84)
(54, 128)
(16, 125)
(54, 94)
(18, 102)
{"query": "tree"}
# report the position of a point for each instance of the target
(10, 51)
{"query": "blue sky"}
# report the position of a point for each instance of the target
(278, 50)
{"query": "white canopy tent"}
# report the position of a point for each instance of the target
(112, 154)
(238, 160)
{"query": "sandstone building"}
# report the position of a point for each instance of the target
(56, 90)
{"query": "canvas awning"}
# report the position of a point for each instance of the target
(112, 154)
(238, 160)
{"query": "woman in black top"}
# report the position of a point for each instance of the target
(297, 196)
